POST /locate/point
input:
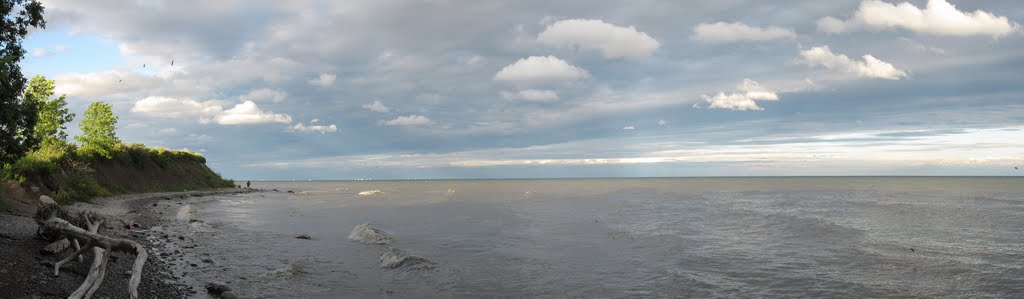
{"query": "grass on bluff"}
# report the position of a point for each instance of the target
(77, 166)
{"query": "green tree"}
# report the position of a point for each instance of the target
(99, 127)
(53, 113)
(17, 115)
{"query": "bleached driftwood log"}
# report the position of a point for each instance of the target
(102, 247)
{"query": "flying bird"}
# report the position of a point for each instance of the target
(172, 62)
(119, 81)
(143, 65)
(1015, 167)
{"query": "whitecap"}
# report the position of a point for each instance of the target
(293, 269)
(365, 234)
(371, 192)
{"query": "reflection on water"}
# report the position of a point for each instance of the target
(709, 237)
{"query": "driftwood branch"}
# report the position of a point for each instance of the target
(102, 247)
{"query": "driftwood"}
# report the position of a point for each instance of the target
(101, 245)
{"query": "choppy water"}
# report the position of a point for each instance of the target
(689, 237)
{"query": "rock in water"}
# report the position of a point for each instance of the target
(369, 235)
(217, 289)
(396, 258)
(228, 295)
(45, 200)
(304, 237)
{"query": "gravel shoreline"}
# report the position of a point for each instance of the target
(24, 272)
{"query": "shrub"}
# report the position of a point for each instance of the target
(80, 188)
(43, 161)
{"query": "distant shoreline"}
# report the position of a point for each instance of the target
(642, 178)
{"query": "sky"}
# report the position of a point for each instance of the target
(431, 89)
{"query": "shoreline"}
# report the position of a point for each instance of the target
(23, 269)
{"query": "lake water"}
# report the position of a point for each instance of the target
(616, 238)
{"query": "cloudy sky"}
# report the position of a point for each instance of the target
(497, 89)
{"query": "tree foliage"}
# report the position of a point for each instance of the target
(17, 115)
(99, 129)
(53, 113)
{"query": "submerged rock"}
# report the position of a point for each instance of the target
(396, 258)
(365, 234)
(304, 237)
(217, 289)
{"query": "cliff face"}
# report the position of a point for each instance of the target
(136, 170)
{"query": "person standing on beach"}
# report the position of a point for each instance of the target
(247, 184)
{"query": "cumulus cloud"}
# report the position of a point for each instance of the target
(628, 128)
(411, 120)
(611, 40)
(165, 107)
(722, 32)
(322, 129)
(745, 99)
(868, 67)
(324, 80)
(533, 95)
(247, 113)
(540, 69)
(377, 106)
(939, 17)
(265, 94)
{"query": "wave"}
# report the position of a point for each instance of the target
(312, 192)
(396, 258)
(293, 269)
(371, 192)
(365, 234)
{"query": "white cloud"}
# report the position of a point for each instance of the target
(533, 95)
(265, 94)
(165, 107)
(322, 129)
(611, 40)
(324, 80)
(410, 120)
(377, 106)
(662, 122)
(869, 67)
(539, 69)
(247, 113)
(722, 32)
(629, 128)
(40, 52)
(746, 99)
(938, 18)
